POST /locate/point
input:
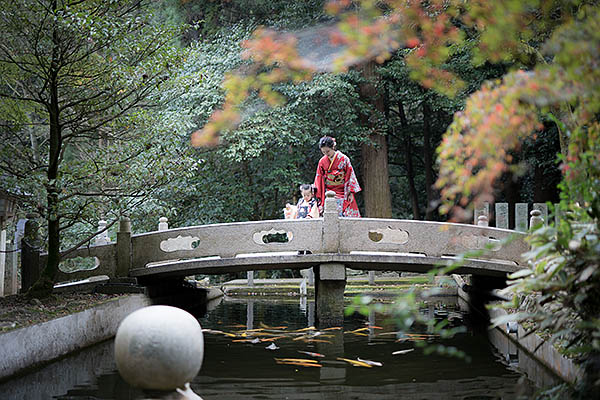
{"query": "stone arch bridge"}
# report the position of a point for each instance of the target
(331, 244)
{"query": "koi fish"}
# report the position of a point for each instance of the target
(319, 341)
(402, 351)
(264, 326)
(370, 362)
(298, 360)
(310, 353)
(299, 364)
(310, 328)
(358, 330)
(211, 331)
(271, 339)
(355, 363)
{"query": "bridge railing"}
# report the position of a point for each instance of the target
(329, 234)
(227, 240)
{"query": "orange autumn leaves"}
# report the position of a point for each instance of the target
(371, 33)
(476, 147)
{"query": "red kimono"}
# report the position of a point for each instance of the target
(338, 175)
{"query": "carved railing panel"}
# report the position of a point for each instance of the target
(104, 258)
(227, 240)
(434, 239)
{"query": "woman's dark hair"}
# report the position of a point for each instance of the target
(306, 186)
(327, 141)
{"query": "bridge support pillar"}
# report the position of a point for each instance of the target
(330, 282)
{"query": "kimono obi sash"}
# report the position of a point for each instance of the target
(334, 178)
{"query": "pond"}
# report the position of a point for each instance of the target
(246, 368)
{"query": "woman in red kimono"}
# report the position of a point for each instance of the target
(335, 172)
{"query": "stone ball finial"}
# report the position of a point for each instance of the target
(536, 218)
(159, 347)
(330, 194)
(482, 220)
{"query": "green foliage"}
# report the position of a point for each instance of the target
(77, 137)
(560, 292)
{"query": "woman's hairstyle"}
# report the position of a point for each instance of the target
(327, 141)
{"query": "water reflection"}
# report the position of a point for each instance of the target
(248, 370)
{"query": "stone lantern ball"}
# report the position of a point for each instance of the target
(159, 347)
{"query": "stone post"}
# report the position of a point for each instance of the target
(102, 238)
(521, 217)
(558, 214)
(536, 219)
(543, 207)
(2, 257)
(30, 253)
(331, 235)
(330, 278)
(481, 210)
(250, 278)
(13, 276)
(124, 247)
(482, 220)
(371, 275)
(501, 215)
(163, 224)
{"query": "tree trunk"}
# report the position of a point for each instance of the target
(43, 287)
(410, 172)
(427, 158)
(376, 183)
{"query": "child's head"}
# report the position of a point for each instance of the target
(306, 191)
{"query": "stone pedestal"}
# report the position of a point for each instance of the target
(30, 254)
(330, 282)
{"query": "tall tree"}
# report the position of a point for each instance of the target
(85, 68)
(377, 195)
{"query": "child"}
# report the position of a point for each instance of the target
(307, 205)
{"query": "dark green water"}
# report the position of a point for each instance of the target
(235, 370)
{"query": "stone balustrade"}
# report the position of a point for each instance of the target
(359, 237)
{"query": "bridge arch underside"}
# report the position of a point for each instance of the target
(376, 262)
